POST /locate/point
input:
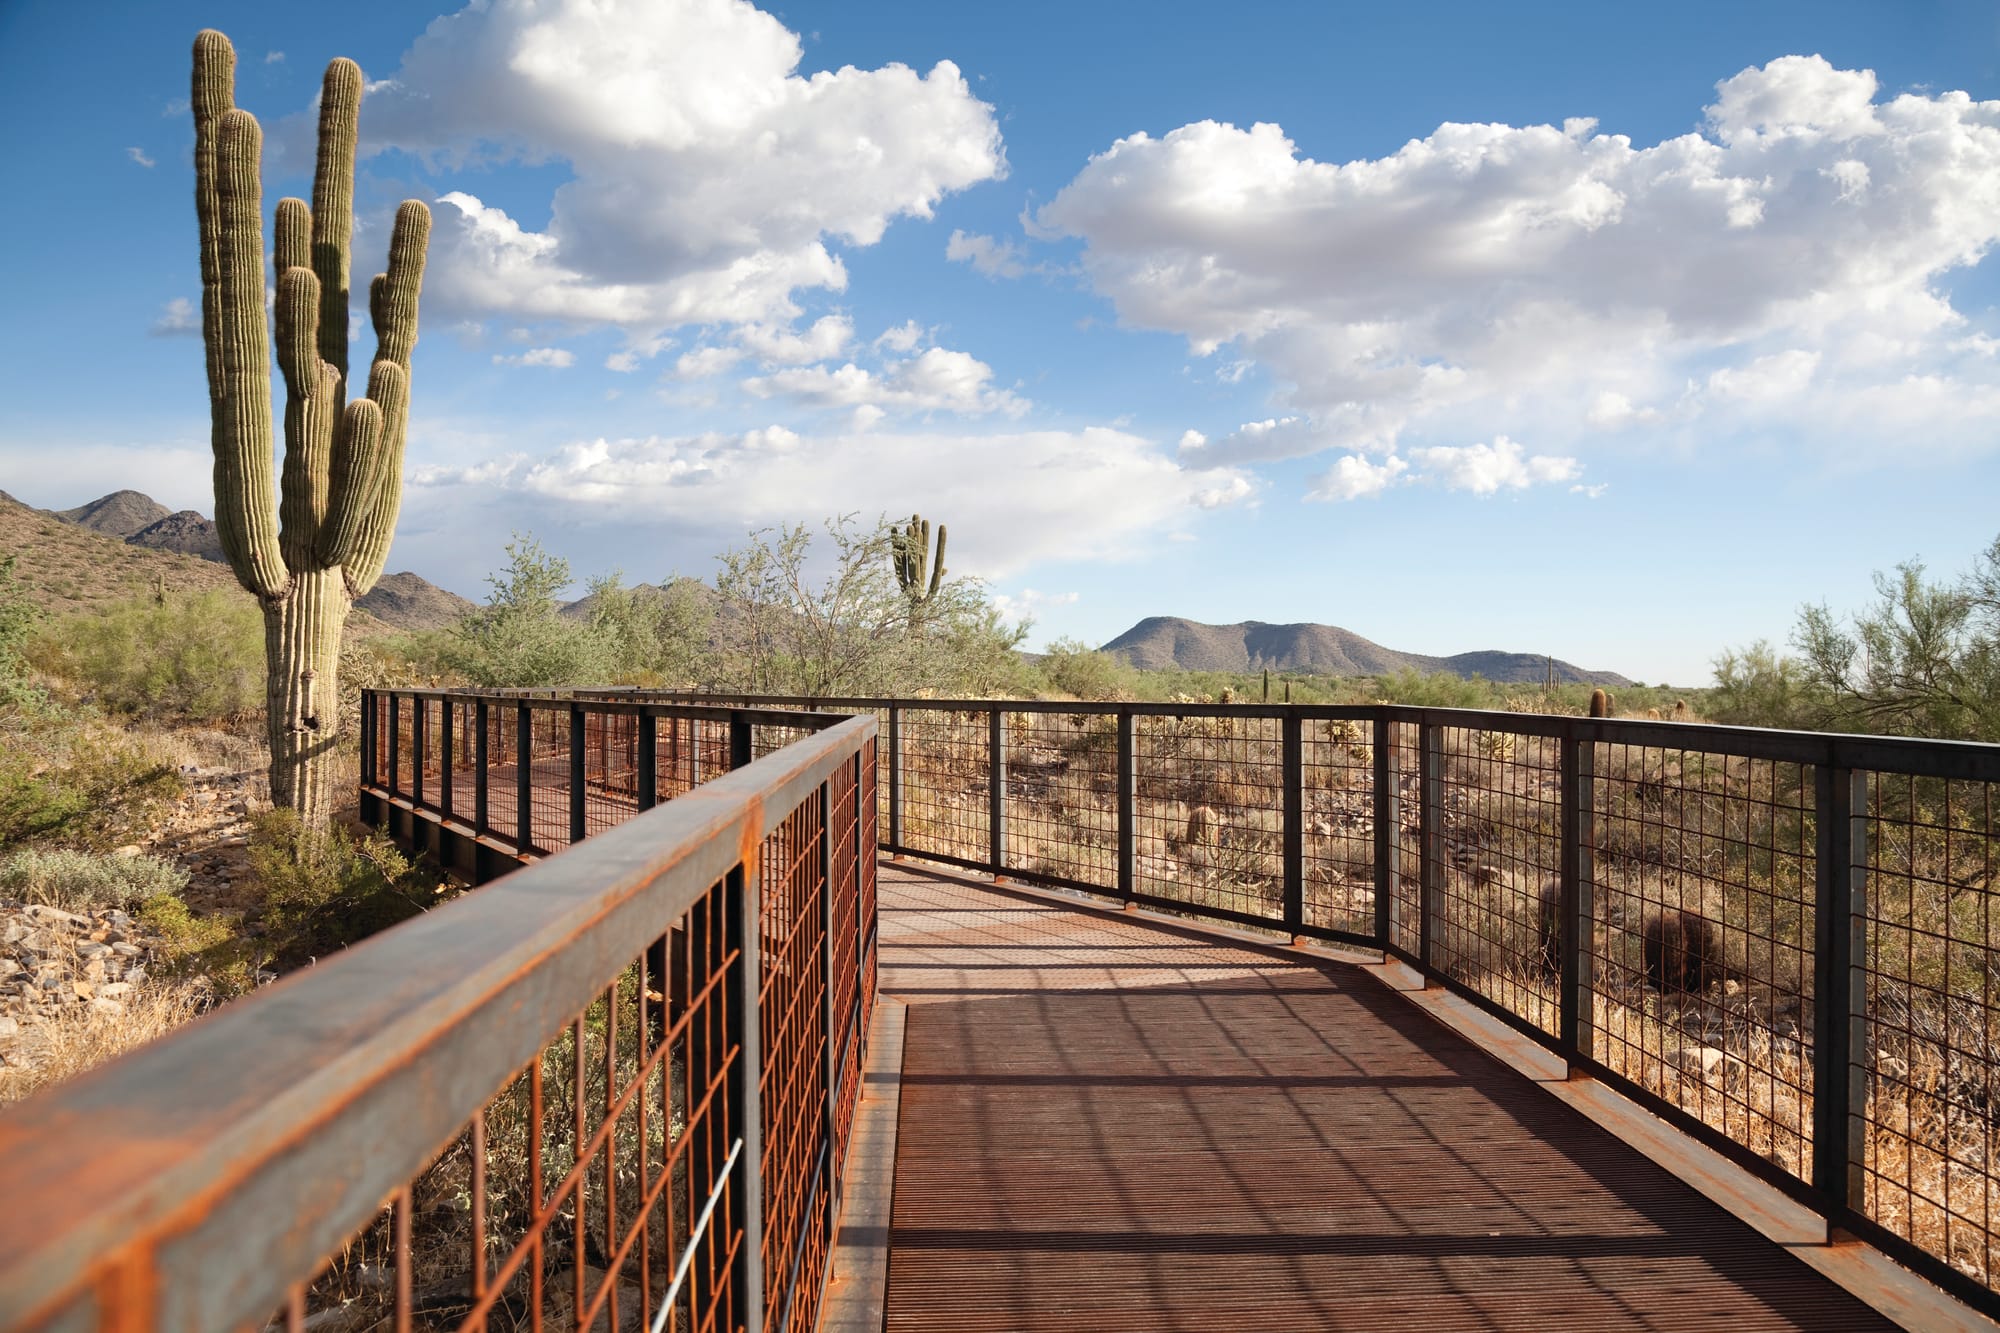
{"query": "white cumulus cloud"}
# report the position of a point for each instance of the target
(552, 358)
(1012, 499)
(935, 380)
(994, 258)
(1560, 282)
(708, 173)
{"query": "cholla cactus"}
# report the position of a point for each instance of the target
(917, 570)
(323, 542)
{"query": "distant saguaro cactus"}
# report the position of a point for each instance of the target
(917, 569)
(307, 556)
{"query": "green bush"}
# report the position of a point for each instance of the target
(196, 658)
(79, 881)
(1074, 669)
(191, 946)
(100, 793)
(323, 891)
(18, 620)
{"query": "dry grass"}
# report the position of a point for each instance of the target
(80, 1037)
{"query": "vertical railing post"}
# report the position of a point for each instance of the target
(895, 782)
(996, 791)
(445, 755)
(740, 747)
(1840, 988)
(1388, 835)
(1291, 746)
(1576, 1016)
(368, 771)
(646, 777)
(1128, 810)
(417, 710)
(395, 738)
(1431, 853)
(576, 773)
(524, 778)
(479, 761)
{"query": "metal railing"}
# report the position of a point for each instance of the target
(614, 1089)
(1786, 944)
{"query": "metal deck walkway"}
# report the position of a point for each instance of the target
(1107, 1124)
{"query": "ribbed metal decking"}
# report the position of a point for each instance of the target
(1107, 1124)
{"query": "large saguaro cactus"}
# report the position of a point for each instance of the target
(309, 549)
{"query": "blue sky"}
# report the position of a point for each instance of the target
(1555, 328)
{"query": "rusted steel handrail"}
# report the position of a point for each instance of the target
(191, 1184)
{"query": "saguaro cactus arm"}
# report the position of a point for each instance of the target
(917, 571)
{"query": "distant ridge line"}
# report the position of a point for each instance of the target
(1160, 643)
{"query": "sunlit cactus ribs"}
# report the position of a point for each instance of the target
(917, 569)
(312, 539)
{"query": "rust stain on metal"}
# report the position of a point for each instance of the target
(1109, 1125)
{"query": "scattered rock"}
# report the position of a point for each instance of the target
(1701, 1061)
(10, 1028)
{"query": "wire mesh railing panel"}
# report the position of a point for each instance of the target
(871, 807)
(548, 778)
(1930, 1095)
(1498, 926)
(1337, 767)
(1208, 817)
(1062, 795)
(798, 1191)
(1701, 938)
(946, 776)
(691, 751)
(433, 731)
(503, 755)
(844, 953)
(610, 769)
(598, 1176)
(1407, 899)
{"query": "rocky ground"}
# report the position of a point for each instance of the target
(76, 987)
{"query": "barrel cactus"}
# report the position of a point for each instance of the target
(310, 540)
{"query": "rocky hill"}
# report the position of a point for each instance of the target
(120, 514)
(60, 574)
(411, 602)
(66, 567)
(186, 532)
(1162, 642)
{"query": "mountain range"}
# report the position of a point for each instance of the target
(1161, 642)
(187, 542)
(403, 601)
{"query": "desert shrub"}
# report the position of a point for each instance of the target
(194, 658)
(190, 947)
(1074, 669)
(78, 881)
(322, 890)
(94, 792)
(19, 618)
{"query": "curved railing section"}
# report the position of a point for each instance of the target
(1787, 944)
(613, 1089)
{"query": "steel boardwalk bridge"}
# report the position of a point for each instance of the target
(1103, 1119)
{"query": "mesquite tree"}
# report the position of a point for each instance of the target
(313, 543)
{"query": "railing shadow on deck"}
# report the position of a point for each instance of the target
(1786, 944)
(619, 1082)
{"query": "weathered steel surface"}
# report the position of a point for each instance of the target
(186, 1185)
(1111, 1125)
